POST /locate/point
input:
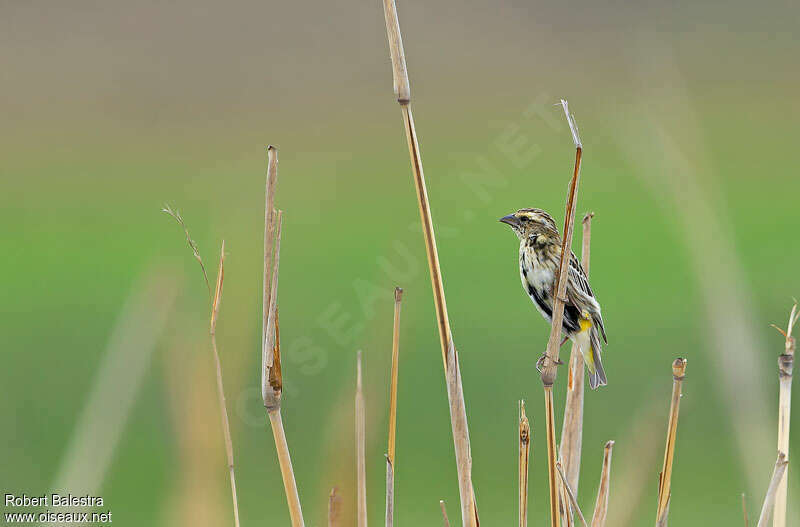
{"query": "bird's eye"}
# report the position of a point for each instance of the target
(523, 218)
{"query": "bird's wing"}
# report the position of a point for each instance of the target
(580, 293)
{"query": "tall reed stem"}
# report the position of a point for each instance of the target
(665, 479)
(572, 427)
(271, 373)
(455, 393)
(390, 454)
(226, 427)
(785, 367)
(216, 302)
(549, 362)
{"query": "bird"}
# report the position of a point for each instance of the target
(539, 259)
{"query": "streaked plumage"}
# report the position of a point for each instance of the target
(539, 256)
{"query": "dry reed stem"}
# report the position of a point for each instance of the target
(568, 519)
(572, 427)
(334, 508)
(271, 374)
(444, 514)
(361, 442)
(777, 473)
(226, 427)
(215, 307)
(390, 455)
(601, 503)
(455, 393)
(271, 381)
(785, 367)
(550, 359)
(664, 486)
(573, 501)
(287, 473)
(524, 462)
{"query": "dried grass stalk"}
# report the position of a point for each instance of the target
(455, 394)
(524, 461)
(444, 514)
(549, 362)
(216, 302)
(334, 509)
(271, 373)
(601, 503)
(664, 485)
(785, 367)
(777, 473)
(571, 495)
(390, 455)
(361, 445)
(226, 427)
(572, 427)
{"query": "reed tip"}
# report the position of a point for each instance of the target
(679, 368)
(398, 294)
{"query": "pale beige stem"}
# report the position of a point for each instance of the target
(550, 431)
(455, 393)
(550, 361)
(664, 486)
(361, 445)
(444, 514)
(572, 427)
(390, 456)
(777, 473)
(287, 473)
(334, 509)
(573, 501)
(524, 461)
(785, 367)
(601, 503)
(226, 427)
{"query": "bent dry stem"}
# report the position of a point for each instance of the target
(455, 393)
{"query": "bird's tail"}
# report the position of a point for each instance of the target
(589, 344)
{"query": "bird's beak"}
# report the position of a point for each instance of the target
(511, 220)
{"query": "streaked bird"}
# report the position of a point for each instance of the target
(539, 258)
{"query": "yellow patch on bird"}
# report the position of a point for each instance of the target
(585, 323)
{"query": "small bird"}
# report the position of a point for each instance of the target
(539, 257)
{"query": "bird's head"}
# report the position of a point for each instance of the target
(532, 223)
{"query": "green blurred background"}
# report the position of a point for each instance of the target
(688, 112)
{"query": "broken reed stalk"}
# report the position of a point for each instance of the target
(785, 367)
(271, 374)
(777, 473)
(444, 514)
(216, 302)
(601, 503)
(550, 359)
(226, 427)
(455, 392)
(524, 462)
(390, 455)
(361, 445)
(572, 427)
(573, 501)
(334, 508)
(665, 478)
